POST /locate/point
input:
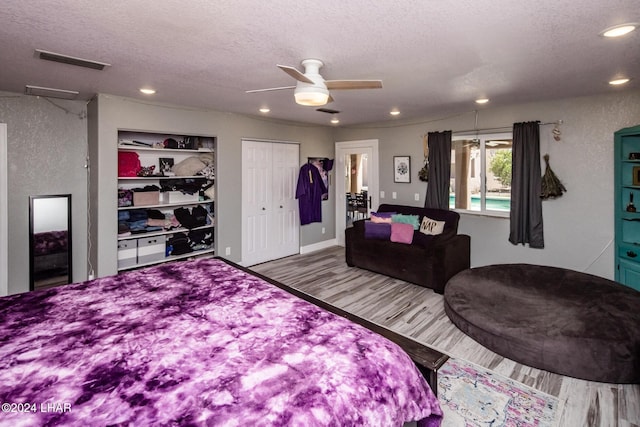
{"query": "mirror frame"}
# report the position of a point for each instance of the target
(32, 240)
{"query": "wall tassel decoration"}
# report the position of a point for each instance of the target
(551, 185)
(423, 174)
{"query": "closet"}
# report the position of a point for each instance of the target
(270, 221)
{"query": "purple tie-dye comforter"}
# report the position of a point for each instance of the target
(197, 343)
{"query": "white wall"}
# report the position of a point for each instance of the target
(109, 113)
(46, 149)
(579, 226)
(47, 146)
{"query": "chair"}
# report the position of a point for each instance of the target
(351, 206)
(362, 204)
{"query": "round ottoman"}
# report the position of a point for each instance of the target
(550, 318)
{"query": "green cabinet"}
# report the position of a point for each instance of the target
(627, 206)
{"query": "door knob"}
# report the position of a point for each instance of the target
(631, 254)
(264, 209)
(280, 206)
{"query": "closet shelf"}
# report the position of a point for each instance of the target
(133, 236)
(165, 205)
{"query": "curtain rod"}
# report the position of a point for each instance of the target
(557, 122)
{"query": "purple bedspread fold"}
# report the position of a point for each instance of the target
(197, 343)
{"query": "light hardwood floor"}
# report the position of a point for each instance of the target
(419, 313)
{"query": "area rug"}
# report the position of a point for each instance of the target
(472, 396)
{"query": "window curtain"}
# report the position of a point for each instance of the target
(526, 185)
(439, 144)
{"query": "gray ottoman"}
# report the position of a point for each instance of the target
(550, 318)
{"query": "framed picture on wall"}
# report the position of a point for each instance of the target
(636, 175)
(401, 169)
(165, 164)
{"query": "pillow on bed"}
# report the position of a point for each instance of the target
(379, 231)
(431, 226)
(413, 220)
(384, 217)
(401, 233)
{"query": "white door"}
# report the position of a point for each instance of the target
(256, 199)
(285, 225)
(365, 148)
(269, 207)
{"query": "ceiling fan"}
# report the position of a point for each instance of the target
(313, 90)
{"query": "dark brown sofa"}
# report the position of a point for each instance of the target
(429, 261)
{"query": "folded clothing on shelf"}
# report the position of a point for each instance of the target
(191, 218)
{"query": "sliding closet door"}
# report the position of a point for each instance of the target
(269, 208)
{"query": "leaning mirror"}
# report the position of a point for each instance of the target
(49, 241)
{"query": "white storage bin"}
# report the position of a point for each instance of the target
(151, 249)
(127, 253)
(178, 197)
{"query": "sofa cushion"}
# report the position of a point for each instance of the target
(401, 233)
(431, 226)
(374, 230)
(413, 220)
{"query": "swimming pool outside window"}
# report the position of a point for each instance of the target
(481, 174)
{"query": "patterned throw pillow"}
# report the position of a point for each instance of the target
(401, 233)
(384, 217)
(413, 220)
(431, 226)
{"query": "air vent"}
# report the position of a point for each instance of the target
(50, 92)
(71, 60)
(327, 110)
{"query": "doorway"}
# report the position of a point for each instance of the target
(357, 182)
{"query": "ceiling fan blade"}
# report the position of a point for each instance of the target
(293, 72)
(353, 84)
(330, 99)
(269, 89)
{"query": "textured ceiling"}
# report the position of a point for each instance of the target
(434, 57)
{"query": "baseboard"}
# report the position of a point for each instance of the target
(318, 246)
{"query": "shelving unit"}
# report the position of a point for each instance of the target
(144, 248)
(627, 206)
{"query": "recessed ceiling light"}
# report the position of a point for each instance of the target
(147, 91)
(617, 82)
(482, 100)
(264, 110)
(619, 30)
(335, 121)
(394, 112)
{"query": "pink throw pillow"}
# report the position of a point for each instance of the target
(401, 233)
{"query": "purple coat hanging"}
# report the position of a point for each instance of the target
(309, 194)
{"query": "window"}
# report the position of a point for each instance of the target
(481, 173)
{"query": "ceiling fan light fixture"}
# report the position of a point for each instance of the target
(311, 96)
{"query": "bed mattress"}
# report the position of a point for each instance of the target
(197, 343)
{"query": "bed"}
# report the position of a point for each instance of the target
(200, 342)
